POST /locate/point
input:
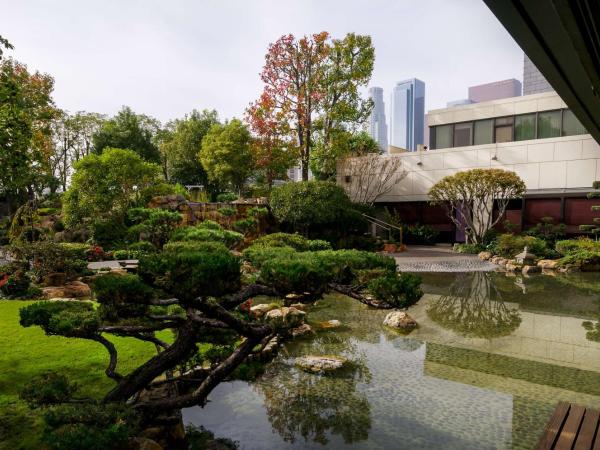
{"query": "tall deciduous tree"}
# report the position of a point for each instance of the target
(226, 154)
(180, 146)
(131, 131)
(470, 196)
(273, 150)
(312, 83)
(26, 112)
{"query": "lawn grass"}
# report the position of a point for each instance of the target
(27, 352)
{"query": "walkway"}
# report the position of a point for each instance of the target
(419, 258)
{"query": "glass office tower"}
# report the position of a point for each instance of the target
(407, 114)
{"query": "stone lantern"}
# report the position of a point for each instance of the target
(525, 257)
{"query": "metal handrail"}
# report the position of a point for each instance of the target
(385, 225)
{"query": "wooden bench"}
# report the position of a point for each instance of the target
(571, 427)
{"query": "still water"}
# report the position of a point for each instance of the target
(484, 370)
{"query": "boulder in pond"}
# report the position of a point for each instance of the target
(531, 269)
(320, 364)
(260, 310)
(330, 324)
(548, 264)
(400, 320)
(285, 317)
(303, 330)
(485, 256)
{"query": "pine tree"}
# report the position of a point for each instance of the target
(595, 227)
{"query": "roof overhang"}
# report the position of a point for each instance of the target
(562, 38)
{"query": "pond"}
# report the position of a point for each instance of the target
(491, 358)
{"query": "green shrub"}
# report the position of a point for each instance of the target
(210, 225)
(47, 257)
(548, 231)
(581, 258)
(245, 225)
(48, 211)
(49, 388)
(258, 254)
(121, 296)
(360, 242)
(318, 244)
(509, 245)
(64, 318)
(16, 285)
(191, 274)
(58, 226)
(302, 273)
(569, 246)
(227, 211)
(258, 211)
(142, 246)
(295, 241)
(226, 197)
(469, 248)
(199, 233)
(345, 264)
(187, 246)
(419, 235)
(401, 290)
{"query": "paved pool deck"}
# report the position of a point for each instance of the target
(421, 258)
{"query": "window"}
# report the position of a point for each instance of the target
(462, 134)
(484, 132)
(525, 127)
(503, 129)
(443, 136)
(571, 125)
(548, 124)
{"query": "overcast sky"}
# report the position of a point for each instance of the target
(167, 57)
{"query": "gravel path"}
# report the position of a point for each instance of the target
(439, 259)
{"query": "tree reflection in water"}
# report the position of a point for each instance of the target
(474, 308)
(311, 406)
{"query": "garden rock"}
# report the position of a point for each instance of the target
(510, 267)
(303, 330)
(320, 364)
(74, 289)
(285, 317)
(531, 269)
(55, 279)
(142, 443)
(260, 310)
(172, 202)
(400, 320)
(330, 324)
(485, 256)
(547, 264)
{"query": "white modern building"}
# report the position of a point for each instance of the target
(407, 116)
(536, 136)
(378, 129)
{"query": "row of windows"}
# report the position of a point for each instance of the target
(538, 125)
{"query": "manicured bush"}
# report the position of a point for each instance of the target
(210, 225)
(419, 235)
(200, 233)
(586, 259)
(257, 211)
(227, 211)
(226, 197)
(469, 248)
(47, 257)
(109, 232)
(16, 285)
(509, 245)
(345, 264)
(191, 274)
(258, 254)
(121, 296)
(360, 242)
(246, 225)
(142, 246)
(69, 318)
(187, 246)
(548, 231)
(318, 244)
(302, 273)
(400, 290)
(296, 241)
(49, 388)
(569, 246)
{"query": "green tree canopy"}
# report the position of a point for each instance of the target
(181, 144)
(107, 184)
(470, 197)
(131, 131)
(226, 155)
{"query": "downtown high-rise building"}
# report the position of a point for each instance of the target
(533, 80)
(407, 121)
(378, 129)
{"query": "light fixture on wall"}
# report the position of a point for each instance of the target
(348, 178)
(494, 158)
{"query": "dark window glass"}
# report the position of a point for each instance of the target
(571, 125)
(548, 124)
(462, 134)
(525, 127)
(443, 136)
(503, 129)
(484, 132)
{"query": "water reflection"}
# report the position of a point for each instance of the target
(301, 405)
(474, 307)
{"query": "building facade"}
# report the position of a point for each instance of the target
(533, 80)
(536, 136)
(407, 114)
(378, 129)
(494, 91)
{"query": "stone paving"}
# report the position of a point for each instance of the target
(439, 259)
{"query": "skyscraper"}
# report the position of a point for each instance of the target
(407, 114)
(533, 80)
(378, 127)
